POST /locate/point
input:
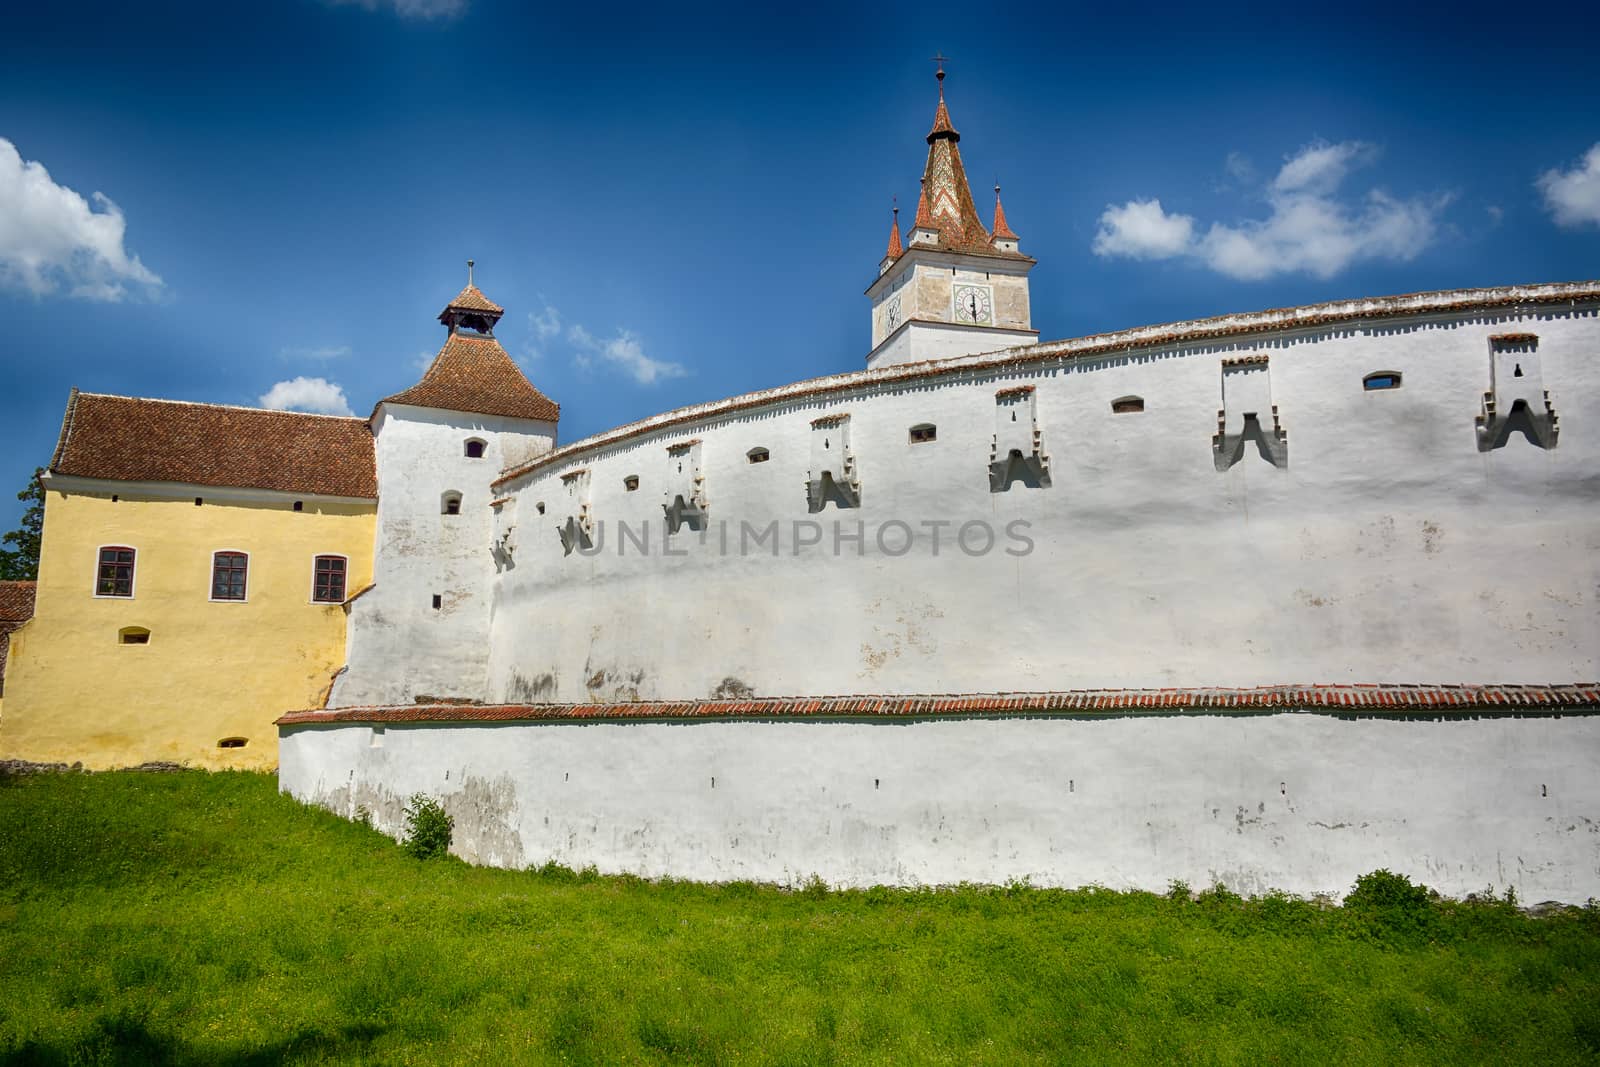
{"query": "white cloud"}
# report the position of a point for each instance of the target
(409, 9)
(1140, 229)
(319, 353)
(424, 360)
(622, 352)
(545, 324)
(52, 240)
(1309, 230)
(1319, 168)
(1573, 196)
(307, 394)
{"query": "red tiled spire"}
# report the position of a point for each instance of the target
(924, 216)
(946, 203)
(941, 116)
(1001, 229)
(896, 249)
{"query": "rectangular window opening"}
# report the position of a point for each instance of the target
(328, 580)
(228, 573)
(115, 577)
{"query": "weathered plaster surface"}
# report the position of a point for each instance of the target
(400, 645)
(1388, 549)
(1294, 801)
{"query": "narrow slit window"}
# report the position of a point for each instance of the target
(233, 742)
(115, 577)
(631, 482)
(229, 571)
(475, 448)
(133, 635)
(327, 582)
(299, 505)
(1127, 405)
(1383, 379)
(924, 432)
(758, 455)
(450, 503)
(438, 602)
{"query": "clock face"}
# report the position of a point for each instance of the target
(974, 305)
(891, 315)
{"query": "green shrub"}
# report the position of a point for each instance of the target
(428, 827)
(1385, 890)
(1394, 908)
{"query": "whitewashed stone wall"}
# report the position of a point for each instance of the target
(1295, 801)
(399, 645)
(1388, 549)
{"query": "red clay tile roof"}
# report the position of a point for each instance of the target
(941, 119)
(472, 299)
(126, 438)
(1002, 229)
(16, 603)
(1339, 699)
(474, 374)
(946, 202)
(16, 608)
(896, 249)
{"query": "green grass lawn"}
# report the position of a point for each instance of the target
(202, 918)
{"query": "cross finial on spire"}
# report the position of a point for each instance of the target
(469, 272)
(941, 59)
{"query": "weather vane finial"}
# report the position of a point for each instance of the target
(469, 272)
(941, 59)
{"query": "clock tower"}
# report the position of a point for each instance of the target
(956, 287)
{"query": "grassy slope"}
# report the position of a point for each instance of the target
(203, 918)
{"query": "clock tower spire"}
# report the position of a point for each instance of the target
(956, 288)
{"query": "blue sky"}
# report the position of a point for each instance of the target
(677, 204)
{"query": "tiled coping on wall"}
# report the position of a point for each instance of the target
(1363, 700)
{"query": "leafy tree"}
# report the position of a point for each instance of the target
(21, 563)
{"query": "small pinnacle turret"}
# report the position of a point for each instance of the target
(1001, 228)
(896, 248)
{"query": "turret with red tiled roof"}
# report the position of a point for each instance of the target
(472, 373)
(896, 248)
(1001, 228)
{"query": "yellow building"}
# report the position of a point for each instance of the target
(193, 582)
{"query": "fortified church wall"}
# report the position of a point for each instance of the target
(1271, 599)
(1365, 538)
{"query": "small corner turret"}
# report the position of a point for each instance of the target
(956, 287)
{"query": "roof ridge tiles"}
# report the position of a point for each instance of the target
(225, 407)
